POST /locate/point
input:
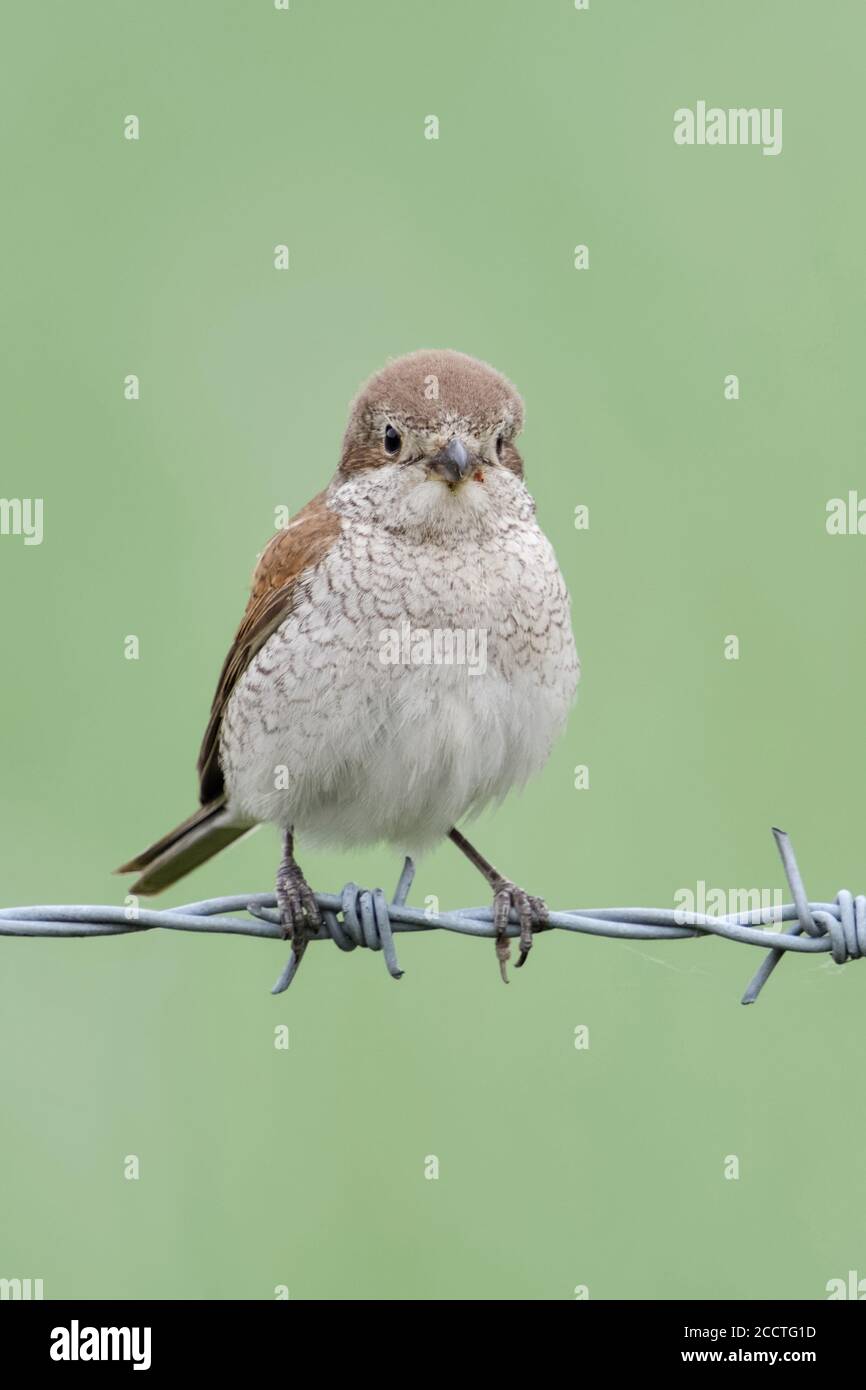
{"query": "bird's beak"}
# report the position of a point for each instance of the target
(451, 463)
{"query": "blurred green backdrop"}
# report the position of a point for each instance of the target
(558, 1167)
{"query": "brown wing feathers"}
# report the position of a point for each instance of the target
(303, 543)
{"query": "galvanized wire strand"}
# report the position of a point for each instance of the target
(360, 917)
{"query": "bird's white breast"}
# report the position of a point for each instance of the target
(340, 726)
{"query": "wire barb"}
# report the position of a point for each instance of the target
(361, 917)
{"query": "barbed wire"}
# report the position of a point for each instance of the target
(363, 917)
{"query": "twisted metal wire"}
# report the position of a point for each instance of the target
(361, 917)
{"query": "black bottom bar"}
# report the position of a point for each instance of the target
(66, 1338)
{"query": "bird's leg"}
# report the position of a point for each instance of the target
(299, 912)
(531, 911)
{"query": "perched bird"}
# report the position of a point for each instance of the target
(406, 656)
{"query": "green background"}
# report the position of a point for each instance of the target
(558, 1167)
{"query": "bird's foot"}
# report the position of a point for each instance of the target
(299, 911)
(531, 912)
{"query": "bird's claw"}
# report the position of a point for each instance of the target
(532, 915)
(299, 912)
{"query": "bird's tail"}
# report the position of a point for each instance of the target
(203, 834)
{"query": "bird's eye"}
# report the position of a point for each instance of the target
(500, 445)
(392, 440)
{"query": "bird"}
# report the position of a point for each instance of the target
(406, 657)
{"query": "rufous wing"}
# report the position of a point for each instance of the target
(304, 542)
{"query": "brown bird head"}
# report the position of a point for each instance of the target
(439, 416)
